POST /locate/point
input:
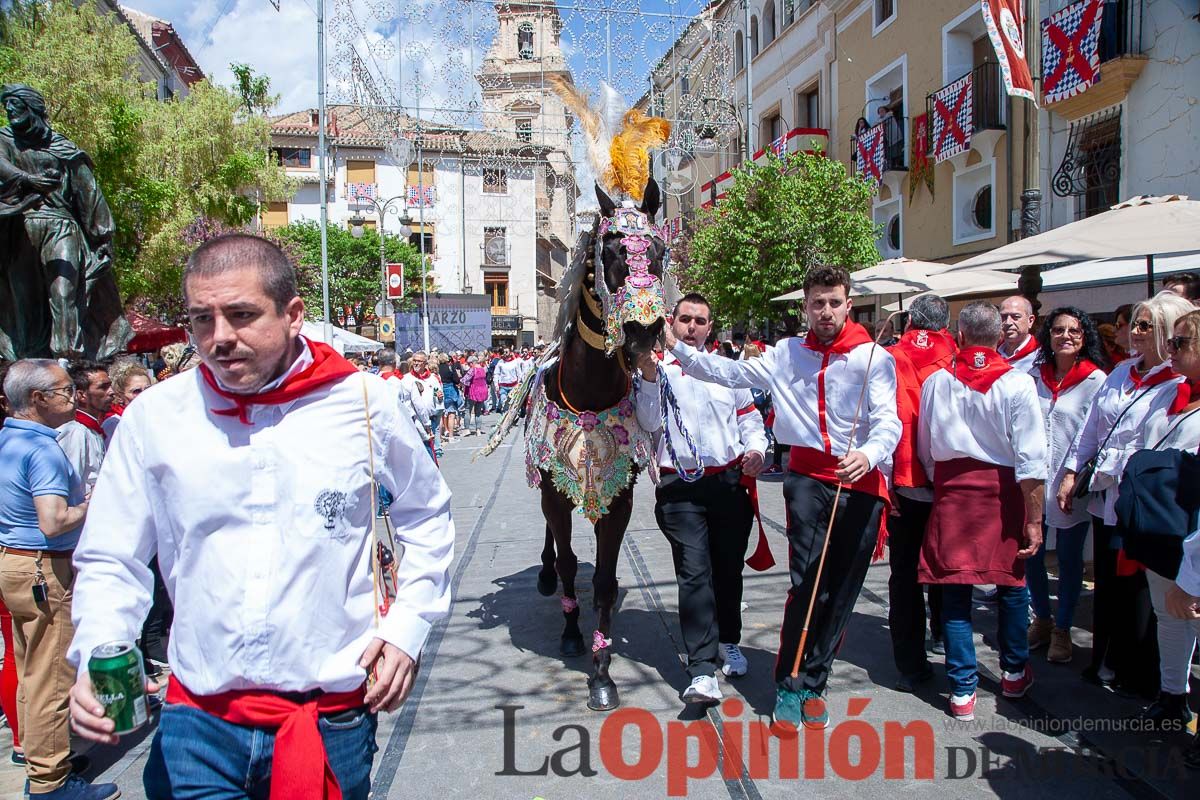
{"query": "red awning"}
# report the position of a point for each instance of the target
(150, 334)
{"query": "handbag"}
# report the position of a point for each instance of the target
(1156, 505)
(1083, 479)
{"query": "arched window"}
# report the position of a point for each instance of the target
(753, 37)
(769, 22)
(739, 52)
(525, 40)
(789, 12)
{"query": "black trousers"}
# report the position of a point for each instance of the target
(708, 524)
(156, 632)
(906, 597)
(1124, 627)
(851, 543)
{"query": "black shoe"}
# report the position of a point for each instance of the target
(1168, 714)
(1191, 758)
(1092, 675)
(909, 683)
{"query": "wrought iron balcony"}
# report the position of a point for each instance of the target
(895, 154)
(987, 98)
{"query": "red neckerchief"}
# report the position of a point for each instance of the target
(1185, 393)
(1031, 344)
(849, 337)
(391, 374)
(1152, 379)
(115, 410)
(300, 768)
(980, 367)
(421, 377)
(327, 366)
(1075, 376)
(89, 422)
(510, 357)
(932, 346)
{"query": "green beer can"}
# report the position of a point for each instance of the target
(119, 682)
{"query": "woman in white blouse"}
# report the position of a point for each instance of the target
(1123, 640)
(1068, 374)
(1175, 423)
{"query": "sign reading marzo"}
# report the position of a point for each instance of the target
(456, 322)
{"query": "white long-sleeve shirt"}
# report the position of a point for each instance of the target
(1064, 417)
(1024, 363)
(723, 422)
(85, 450)
(1002, 426)
(1117, 393)
(263, 534)
(815, 395)
(509, 373)
(422, 393)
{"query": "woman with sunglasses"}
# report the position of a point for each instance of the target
(1068, 373)
(1124, 643)
(1174, 422)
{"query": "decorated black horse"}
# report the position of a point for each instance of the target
(583, 445)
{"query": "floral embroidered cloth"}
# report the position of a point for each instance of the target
(591, 456)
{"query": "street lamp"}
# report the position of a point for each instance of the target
(358, 223)
(707, 141)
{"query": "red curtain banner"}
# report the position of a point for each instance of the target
(1005, 21)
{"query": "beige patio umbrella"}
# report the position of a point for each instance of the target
(1142, 227)
(907, 276)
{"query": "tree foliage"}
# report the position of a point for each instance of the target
(354, 271)
(162, 165)
(781, 218)
(255, 90)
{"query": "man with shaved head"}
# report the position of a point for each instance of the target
(1018, 346)
(259, 503)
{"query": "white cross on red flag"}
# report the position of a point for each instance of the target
(951, 126)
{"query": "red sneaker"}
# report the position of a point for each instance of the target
(963, 707)
(1016, 684)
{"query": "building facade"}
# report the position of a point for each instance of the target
(163, 59)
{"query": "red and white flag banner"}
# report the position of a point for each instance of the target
(1005, 21)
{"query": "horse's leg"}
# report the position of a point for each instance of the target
(557, 511)
(547, 580)
(610, 532)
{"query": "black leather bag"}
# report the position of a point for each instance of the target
(1083, 478)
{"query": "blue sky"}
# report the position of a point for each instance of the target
(282, 44)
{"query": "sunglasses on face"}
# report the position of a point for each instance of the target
(1142, 326)
(1179, 342)
(1074, 333)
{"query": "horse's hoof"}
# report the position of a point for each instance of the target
(547, 583)
(571, 646)
(603, 697)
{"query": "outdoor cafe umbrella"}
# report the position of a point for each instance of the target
(1144, 227)
(907, 276)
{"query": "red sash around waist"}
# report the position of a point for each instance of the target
(299, 767)
(822, 466)
(761, 559)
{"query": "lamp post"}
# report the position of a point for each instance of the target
(381, 207)
(743, 139)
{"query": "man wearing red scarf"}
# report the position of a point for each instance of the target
(259, 499)
(923, 349)
(982, 438)
(834, 394)
(1019, 346)
(83, 439)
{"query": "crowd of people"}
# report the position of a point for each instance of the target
(243, 532)
(966, 453)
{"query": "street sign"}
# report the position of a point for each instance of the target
(384, 309)
(395, 277)
(387, 329)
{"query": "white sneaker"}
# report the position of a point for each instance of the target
(735, 663)
(703, 690)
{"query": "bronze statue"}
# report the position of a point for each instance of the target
(58, 293)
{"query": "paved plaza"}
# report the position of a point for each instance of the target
(500, 649)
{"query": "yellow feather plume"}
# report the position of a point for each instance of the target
(630, 151)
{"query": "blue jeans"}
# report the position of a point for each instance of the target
(1070, 576)
(435, 420)
(196, 755)
(505, 391)
(1012, 602)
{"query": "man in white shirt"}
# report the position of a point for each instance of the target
(1019, 346)
(982, 437)
(707, 512)
(422, 385)
(507, 376)
(82, 439)
(260, 505)
(834, 394)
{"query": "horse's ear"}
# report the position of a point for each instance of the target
(651, 199)
(607, 206)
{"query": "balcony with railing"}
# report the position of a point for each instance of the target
(895, 156)
(1121, 62)
(988, 105)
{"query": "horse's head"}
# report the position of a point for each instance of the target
(631, 250)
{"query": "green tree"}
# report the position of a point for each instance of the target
(354, 272)
(255, 90)
(781, 218)
(162, 165)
